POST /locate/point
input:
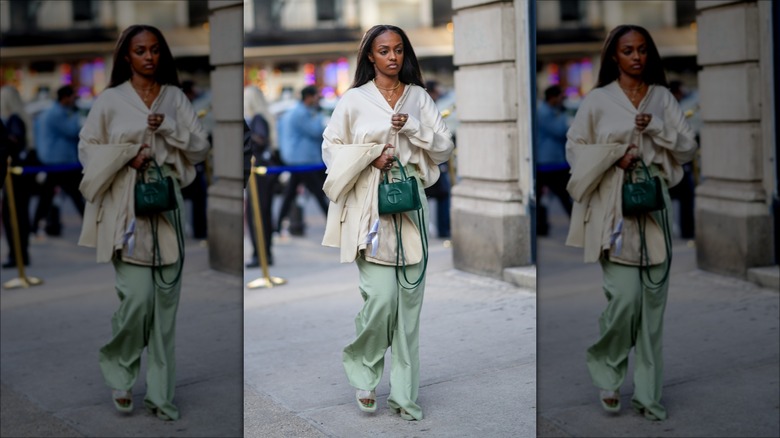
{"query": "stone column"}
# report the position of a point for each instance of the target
(733, 217)
(491, 228)
(225, 201)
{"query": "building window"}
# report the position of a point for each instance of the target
(685, 10)
(442, 12)
(570, 10)
(267, 14)
(23, 15)
(326, 10)
(198, 12)
(82, 10)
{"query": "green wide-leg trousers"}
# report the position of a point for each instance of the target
(633, 318)
(146, 318)
(390, 318)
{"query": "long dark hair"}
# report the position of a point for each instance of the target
(166, 68)
(410, 69)
(608, 72)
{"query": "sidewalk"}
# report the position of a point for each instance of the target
(721, 351)
(477, 348)
(51, 334)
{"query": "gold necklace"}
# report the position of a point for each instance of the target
(392, 90)
(635, 92)
(147, 92)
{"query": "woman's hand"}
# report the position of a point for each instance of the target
(154, 120)
(141, 158)
(399, 120)
(628, 159)
(385, 161)
(642, 120)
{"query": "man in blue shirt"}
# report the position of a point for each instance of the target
(552, 170)
(57, 144)
(300, 143)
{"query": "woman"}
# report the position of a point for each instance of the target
(17, 126)
(141, 116)
(629, 116)
(386, 113)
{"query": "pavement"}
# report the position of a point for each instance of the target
(721, 350)
(50, 335)
(477, 350)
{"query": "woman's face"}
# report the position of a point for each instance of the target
(144, 55)
(387, 54)
(631, 54)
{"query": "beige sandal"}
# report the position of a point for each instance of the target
(610, 400)
(123, 400)
(159, 413)
(366, 400)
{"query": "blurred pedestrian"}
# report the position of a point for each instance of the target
(552, 171)
(142, 115)
(685, 190)
(197, 191)
(440, 190)
(386, 103)
(629, 116)
(58, 139)
(300, 143)
(17, 126)
(257, 117)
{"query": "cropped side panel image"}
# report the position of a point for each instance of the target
(121, 300)
(389, 283)
(657, 192)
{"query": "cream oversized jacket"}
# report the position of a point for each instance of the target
(112, 135)
(355, 136)
(599, 136)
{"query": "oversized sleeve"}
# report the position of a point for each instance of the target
(589, 160)
(101, 159)
(345, 161)
(672, 132)
(185, 133)
(429, 133)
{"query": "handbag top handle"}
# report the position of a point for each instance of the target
(156, 167)
(645, 169)
(403, 172)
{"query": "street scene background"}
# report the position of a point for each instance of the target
(499, 357)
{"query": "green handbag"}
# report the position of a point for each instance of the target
(155, 196)
(642, 196)
(400, 195)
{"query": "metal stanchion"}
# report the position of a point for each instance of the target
(266, 281)
(23, 280)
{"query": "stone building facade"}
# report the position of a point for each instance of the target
(225, 202)
(491, 222)
(735, 217)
